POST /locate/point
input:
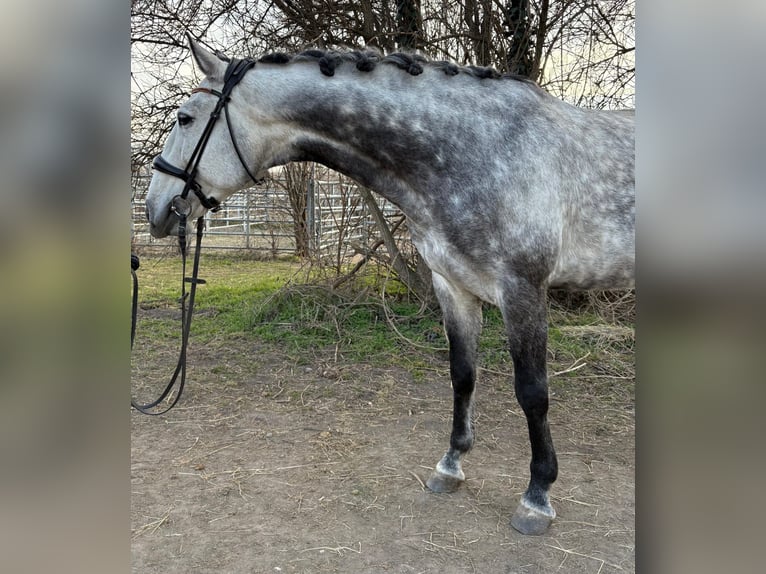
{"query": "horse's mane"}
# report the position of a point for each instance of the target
(367, 60)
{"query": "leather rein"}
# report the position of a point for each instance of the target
(181, 206)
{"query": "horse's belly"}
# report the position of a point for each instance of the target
(599, 273)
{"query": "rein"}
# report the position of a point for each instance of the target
(186, 317)
(180, 205)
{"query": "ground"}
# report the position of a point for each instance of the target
(272, 464)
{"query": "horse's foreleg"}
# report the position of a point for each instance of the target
(527, 326)
(462, 321)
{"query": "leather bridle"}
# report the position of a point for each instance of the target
(180, 205)
(235, 71)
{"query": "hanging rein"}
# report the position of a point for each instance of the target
(180, 205)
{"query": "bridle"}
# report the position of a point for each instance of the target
(235, 71)
(180, 205)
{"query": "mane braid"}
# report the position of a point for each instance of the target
(366, 61)
(275, 58)
(409, 62)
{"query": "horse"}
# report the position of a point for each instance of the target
(508, 191)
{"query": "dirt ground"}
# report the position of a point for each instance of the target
(271, 466)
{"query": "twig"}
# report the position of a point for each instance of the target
(153, 525)
(575, 553)
(391, 323)
(281, 390)
(368, 253)
(338, 549)
(573, 367)
(422, 485)
(446, 547)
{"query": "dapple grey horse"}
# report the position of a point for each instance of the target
(508, 191)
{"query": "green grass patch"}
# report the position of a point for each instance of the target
(311, 316)
(280, 303)
(224, 303)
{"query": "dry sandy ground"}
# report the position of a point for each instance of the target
(268, 466)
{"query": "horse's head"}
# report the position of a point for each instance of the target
(200, 160)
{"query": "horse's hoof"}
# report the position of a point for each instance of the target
(439, 482)
(532, 520)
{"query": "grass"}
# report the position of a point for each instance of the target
(308, 316)
(224, 303)
(280, 304)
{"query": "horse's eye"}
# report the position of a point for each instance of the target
(184, 119)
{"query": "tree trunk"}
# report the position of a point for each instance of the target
(413, 280)
(519, 59)
(409, 25)
(296, 184)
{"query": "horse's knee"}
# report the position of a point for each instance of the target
(462, 362)
(532, 396)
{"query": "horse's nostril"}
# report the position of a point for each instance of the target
(146, 212)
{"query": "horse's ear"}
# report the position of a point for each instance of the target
(209, 64)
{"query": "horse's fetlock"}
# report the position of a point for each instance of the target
(462, 443)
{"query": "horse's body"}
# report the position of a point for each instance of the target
(507, 191)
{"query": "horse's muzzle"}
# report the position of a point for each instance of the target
(160, 227)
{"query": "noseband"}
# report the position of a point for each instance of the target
(235, 71)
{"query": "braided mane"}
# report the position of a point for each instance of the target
(367, 60)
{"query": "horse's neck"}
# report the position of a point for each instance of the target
(383, 129)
